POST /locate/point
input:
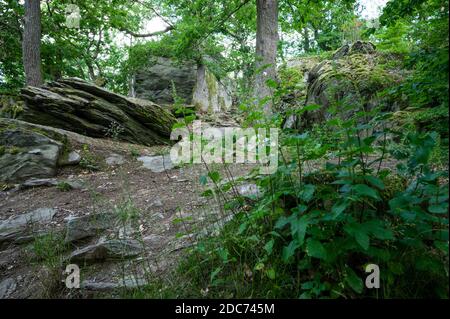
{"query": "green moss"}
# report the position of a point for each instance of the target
(64, 186)
(14, 150)
(393, 184)
(2, 150)
(11, 125)
(11, 106)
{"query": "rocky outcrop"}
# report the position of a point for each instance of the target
(351, 81)
(193, 83)
(359, 47)
(75, 105)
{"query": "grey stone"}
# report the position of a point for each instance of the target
(210, 95)
(87, 226)
(17, 229)
(108, 250)
(360, 47)
(156, 203)
(155, 82)
(115, 159)
(194, 84)
(35, 182)
(155, 241)
(75, 184)
(7, 287)
(156, 164)
(73, 158)
(127, 283)
(28, 154)
(344, 82)
(76, 105)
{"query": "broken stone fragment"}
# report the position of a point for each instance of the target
(7, 287)
(107, 250)
(20, 228)
(73, 158)
(156, 164)
(87, 226)
(115, 159)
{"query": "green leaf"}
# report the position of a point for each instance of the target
(375, 181)
(215, 176)
(311, 107)
(314, 248)
(359, 232)
(364, 190)
(268, 247)
(281, 222)
(307, 193)
(438, 209)
(289, 250)
(215, 273)
(339, 208)
(298, 228)
(271, 273)
(378, 229)
(354, 281)
(242, 228)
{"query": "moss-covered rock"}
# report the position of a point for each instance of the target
(78, 106)
(351, 83)
(26, 153)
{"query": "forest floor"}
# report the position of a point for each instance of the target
(168, 210)
(169, 206)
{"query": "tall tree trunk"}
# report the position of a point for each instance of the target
(31, 44)
(266, 50)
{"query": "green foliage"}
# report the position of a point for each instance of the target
(314, 231)
(49, 249)
(63, 186)
(88, 160)
(419, 29)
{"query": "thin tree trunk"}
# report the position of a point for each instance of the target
(306, 45)
(266, 50)
(31, 44)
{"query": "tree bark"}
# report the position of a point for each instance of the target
(31, 44)
(266, 50)
(306, 45)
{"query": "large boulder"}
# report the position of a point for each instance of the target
(26, 153)
(351, 81)
(193, 83)
(75, 105)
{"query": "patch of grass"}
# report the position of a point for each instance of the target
(88, 160)
(63, 186)
(49, 251)
(134, 152)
